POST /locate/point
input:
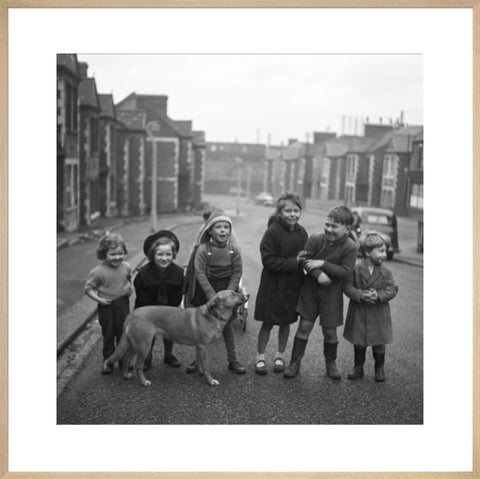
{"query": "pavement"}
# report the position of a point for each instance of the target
(76, 257)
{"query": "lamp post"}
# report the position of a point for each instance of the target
(151, 127)
(238, 164)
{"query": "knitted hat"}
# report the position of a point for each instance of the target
(216, 216)
(147, 244)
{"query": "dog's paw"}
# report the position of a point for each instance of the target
(128, 376)
(214, 382)
(147, 383)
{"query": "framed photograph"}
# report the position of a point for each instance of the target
(443, 36)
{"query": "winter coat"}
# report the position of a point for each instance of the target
(327, 301)
(282, 277)
(369, 324)
(154, 287)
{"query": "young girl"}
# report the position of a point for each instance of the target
(109, 284)
(160, 282)
(370, 287)
(281, 279)
(329, 260)
(218, 266)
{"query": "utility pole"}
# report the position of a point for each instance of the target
(151, 127)
(238, 165)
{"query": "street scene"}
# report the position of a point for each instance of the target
(125, 167)
(86, 397)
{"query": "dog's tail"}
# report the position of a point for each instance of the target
(120, 351)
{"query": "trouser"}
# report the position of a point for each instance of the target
(111, 318)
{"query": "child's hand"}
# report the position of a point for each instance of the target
(104, 301)
(301, 256)
(313, 264)
(323, 279)
(374, 295)
(367, 296)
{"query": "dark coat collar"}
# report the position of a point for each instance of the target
(152, 275)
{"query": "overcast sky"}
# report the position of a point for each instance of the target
(246, 98)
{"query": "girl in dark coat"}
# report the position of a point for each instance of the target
(160, 282)
(370, 288)
(282, 278)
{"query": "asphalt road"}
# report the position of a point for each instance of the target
(311, 398)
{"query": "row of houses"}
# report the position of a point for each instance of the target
(382, 168)
(111, 157)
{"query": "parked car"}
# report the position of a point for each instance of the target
(380, 220)
(234, 190)
(264, 198)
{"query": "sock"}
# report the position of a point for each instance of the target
(260, 357)
(279, 355)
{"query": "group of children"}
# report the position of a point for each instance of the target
(302, 277)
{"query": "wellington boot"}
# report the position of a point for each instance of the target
(332, 370)
(379, 367)
(330, 353)
(298, 351)
(357, 372)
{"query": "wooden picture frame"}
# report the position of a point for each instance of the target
(473, 5)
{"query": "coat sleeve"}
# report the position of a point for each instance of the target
(270, 257)
(201, 272)
(350, 290)
(176, 295)
(143, 295)
(237, 270)
(390, 290)
(342, 271)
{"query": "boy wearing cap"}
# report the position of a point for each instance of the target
(218, 266)
(160, 283)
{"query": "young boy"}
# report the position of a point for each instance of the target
(370, 287)
(329, 261)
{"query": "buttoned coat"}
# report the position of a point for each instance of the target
(369, 324)
(282, 276)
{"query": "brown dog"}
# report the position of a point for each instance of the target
(191, 326)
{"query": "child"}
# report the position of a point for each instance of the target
(370, 287)
(329, 259)
(281, 280)
(218, 266)
(109, 284)
(160, 282)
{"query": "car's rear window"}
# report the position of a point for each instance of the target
(379, 219)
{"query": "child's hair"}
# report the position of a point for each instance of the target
(370, 242)
(342, 215)
(163, 240)
(287, 197)
(110, 241)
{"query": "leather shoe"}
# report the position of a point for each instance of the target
(260, 367)
(191, 368)
(108, 369)
(147, 364)
(379, 374)
(237, 368)
(172, 361)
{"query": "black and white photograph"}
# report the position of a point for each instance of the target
(253, 254)
(239, 235)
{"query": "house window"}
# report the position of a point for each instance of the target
(420, 156)
(351, 165)
(213, 148)
(416, 196)
(386, 200)
(71, 186)
(70, 107)
(94, 135)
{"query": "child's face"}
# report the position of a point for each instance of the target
(115, 256)
(290, 214)
(333, 230)
(163, 255)
(377, 255)
(220, 232)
